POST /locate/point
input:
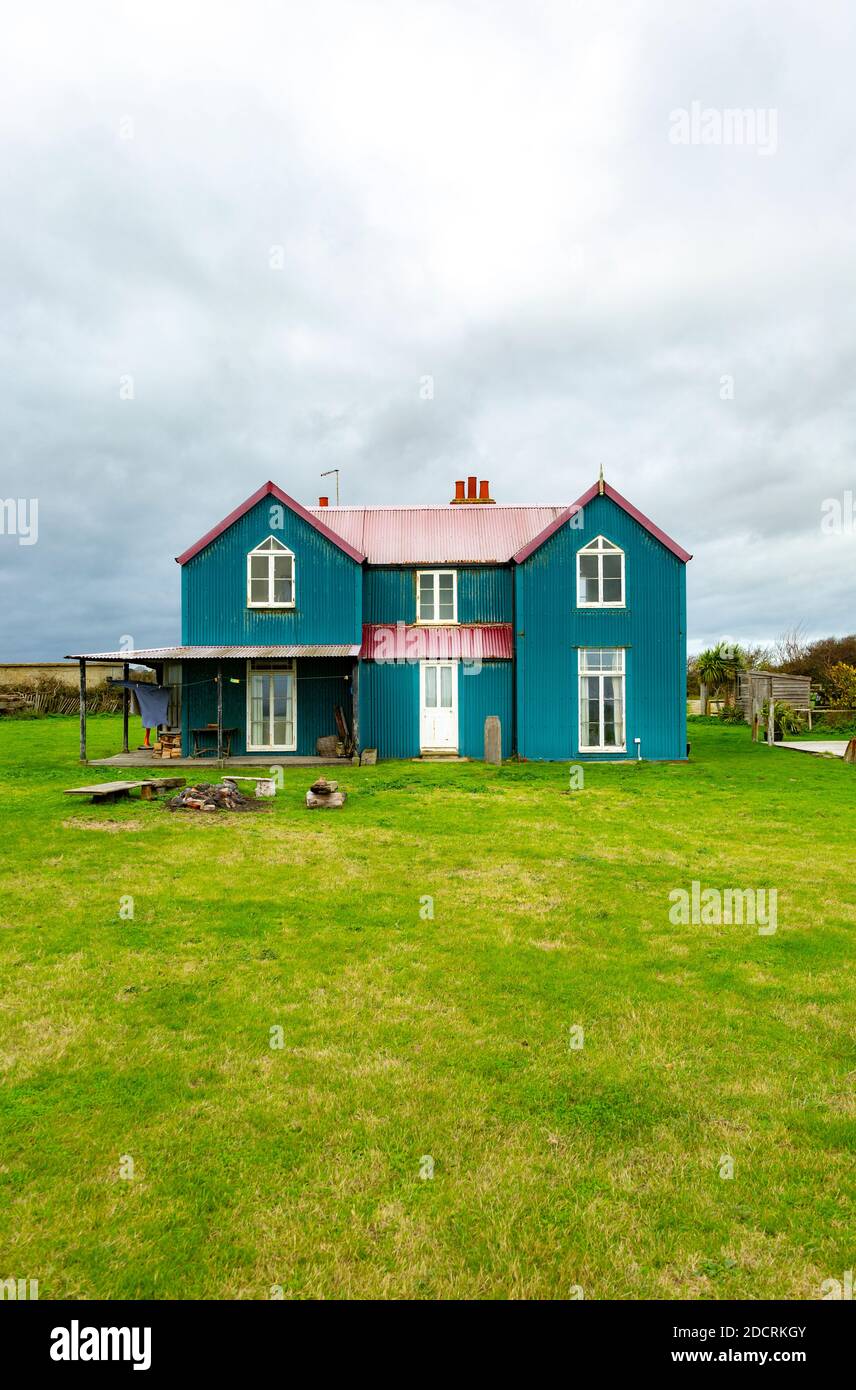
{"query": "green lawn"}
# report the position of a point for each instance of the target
(405, 1038)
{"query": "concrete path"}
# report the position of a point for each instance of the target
(832, 746)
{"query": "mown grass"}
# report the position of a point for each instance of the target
(406, 1037)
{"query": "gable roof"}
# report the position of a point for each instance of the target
(608, 491)
(442, 535)
(269, 489)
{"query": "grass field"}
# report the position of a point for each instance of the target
(556, 1167)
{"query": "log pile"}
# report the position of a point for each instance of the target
(215, 796)
(324, 796)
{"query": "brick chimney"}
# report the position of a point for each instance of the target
(472, 491)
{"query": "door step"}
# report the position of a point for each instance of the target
(429, 757)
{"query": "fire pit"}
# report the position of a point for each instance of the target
(215, 796)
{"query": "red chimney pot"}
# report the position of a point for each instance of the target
(484, 491)
(471, 487)
(323, 501)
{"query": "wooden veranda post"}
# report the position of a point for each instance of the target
(355, 700)
(82, 711)
(771, 718)
(126, 705)
(219, 711)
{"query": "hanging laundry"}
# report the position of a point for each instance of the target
(153, 701)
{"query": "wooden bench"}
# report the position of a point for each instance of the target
(115, 791)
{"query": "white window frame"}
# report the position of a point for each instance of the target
(599, 547)
(270, 553)
(438, 621)
(583, 673)
(259, 668)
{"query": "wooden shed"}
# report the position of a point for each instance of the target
(754, 687)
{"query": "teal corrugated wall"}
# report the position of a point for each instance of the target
(652, 628)
(480, 693)
(484, 594)
(321, 685)
(328, 587)
(389, 706)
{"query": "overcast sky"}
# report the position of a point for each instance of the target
(271, 222)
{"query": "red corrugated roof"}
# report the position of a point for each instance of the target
(475, 533)
(467, 641)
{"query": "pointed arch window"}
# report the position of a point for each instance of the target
(270, 575)
(600, 575)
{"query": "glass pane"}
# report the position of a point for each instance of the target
(282, 591)
(430, 687)
(446, 612)
(258, 566)
(283, 708)
(588, 566)
(589, 711)
(446, 687)
(447, 584)
(426, 597)
(259, 591)
(607, 545)
(610, 659)
(612, 591)
(258, 731)
(611, 566)
(590, 659)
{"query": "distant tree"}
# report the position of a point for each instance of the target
(718, 666)
(816, 659)
(842, 678)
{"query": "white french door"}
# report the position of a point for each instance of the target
(438, 705)
(271, 708)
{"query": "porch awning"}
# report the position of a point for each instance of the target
(469, 641)
(142, 656)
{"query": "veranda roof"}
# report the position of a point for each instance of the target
(143, 655)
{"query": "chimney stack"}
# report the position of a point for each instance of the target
(477, 492)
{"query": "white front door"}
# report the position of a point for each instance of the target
(271, 709)
(438, 705)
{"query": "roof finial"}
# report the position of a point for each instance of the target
(600, 482)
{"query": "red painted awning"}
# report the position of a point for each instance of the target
(466, 641)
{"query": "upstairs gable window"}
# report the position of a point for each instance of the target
(600, 575)
(270, 575)
(437, 596)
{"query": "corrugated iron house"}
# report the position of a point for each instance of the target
(568, 622)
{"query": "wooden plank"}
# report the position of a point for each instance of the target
(113, 791)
